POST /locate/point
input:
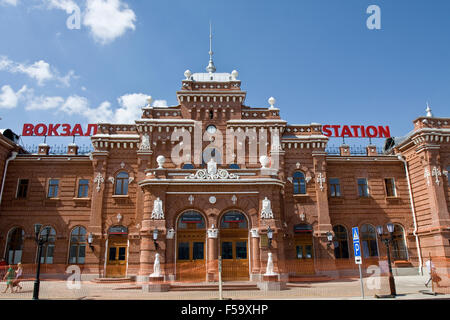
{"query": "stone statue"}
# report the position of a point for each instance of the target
(266, 212)
(157, 212)
(145, 142)
(212, 167)
(269, 268)
(156, 267)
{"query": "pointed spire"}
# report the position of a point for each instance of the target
(210, 68)
(428, 110)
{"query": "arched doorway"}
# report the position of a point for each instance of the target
(14, 245)
(190, 253)
(304, 252)
(117, 253)
(234, 246)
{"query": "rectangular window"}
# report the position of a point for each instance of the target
(83, 188)
(241, 250)
(227, 250)
(198, 252)
(363, 188)
(335, 187)
(390, 187)
(183, 251)
(22, 188)
(53, 188)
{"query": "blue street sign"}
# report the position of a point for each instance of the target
(355, 234)
(356, 245)
(357, 249)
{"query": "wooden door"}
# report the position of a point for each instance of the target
(191, 251)
(304, 253)
(234, 250)
(116, 260)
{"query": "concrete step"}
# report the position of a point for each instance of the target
(112, 280)
(308, 278)
(213, 287)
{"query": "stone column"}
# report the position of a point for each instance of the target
(325, 262)
(256, 257)
(212, 267)
(99, 166)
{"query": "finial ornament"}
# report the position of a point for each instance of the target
(187, 74)
(210, 68)
(428, 110)
(272, 102)
(149, 101)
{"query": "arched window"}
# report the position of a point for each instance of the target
(77, 251)
(191, 220)
(299, 183)
(233, 220)
(121, 183)
(15, 245)
(48, 248)
(368, 238)
(187, 166)
(340, 242)
(399, 250)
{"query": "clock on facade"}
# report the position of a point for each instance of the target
(211, 129)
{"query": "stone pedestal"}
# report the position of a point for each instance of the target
(155, 284)
(271, 283)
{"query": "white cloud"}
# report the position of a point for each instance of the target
(9, 99)
(66, 5)
(160, 104)
(9, 2)
(40, 70)
(131, 105)
(128, 112)
(44, 103)
(108, 19)
(76, 105)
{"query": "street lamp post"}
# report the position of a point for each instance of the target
(40, 241)
(270, 236)
(155, 237)
(387, 241)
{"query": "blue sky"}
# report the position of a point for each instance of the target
(316, 57)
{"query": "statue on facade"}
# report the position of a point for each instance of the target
(156, 267)
(212, 167)
(145, 142)
(266, 212)
(269, 267)
(157, 212)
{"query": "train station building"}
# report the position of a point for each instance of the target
(214, 177)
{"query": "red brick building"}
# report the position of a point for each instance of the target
(135, 182)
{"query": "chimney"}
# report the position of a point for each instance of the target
(44, 149)
(344, 150)
(371, 150)
(72, 149)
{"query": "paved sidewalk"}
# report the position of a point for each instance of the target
(408, 287)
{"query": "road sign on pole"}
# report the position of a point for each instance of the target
(356, 245)
(358, 259)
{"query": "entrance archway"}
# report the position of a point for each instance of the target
(304, 249)
(117, 252)
(191, 243)
(234, 247)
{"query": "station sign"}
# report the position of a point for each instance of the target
(233, 217)
(356, 131)
(191, 219)
(299, 228)
(59, 129)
